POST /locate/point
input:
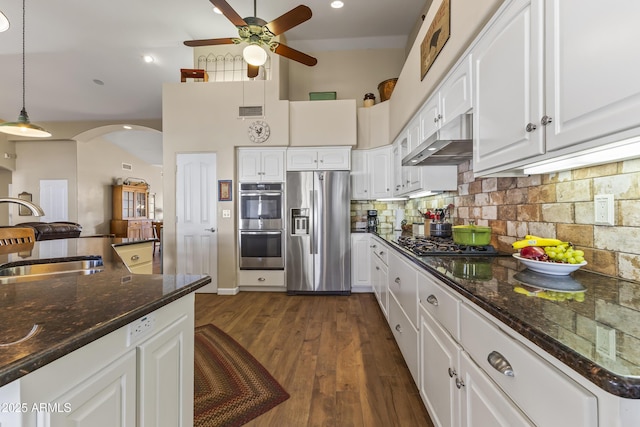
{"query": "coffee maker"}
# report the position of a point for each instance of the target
(372, 220)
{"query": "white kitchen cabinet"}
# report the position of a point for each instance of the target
(138, 257)
(544, 87)
(483, 404)
(165, 379)
(373, 126)
(333, 158)
(316, 123)
(360, 177)
(403, 284)
(107, 382)
(261, 165)
(454, 97)
(380, 273)
(255, 280)
(381, 171)
(406, 336)
(508, 80)
(360, 263)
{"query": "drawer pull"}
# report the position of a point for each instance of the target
(381, 252)
(135, 257)
(452, 372)
(261, 279)
(397, 280)
(459, 383)
(431, 299)
(373, 246)
(500, 364)
(399, 328)
(377, 268)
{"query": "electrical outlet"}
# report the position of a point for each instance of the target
(226, 213)
(606, 341)
(140, 328)
(603, 209)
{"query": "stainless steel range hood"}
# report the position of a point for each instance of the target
(450, 145)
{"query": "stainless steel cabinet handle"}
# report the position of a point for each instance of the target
(377, 268)
(459, 383)
(381, 252)
(530, 127)
(452, 372)
(261, 279)
(546, 120)
(431, 299)
(373, 246)
(500, 364)
(135, 257)
(399, 328)
(397, 280)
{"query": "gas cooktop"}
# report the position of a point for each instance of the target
(433, 246)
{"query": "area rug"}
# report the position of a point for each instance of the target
(231, 386)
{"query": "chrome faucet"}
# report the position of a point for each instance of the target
(35, 209)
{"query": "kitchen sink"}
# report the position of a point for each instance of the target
(49, 269)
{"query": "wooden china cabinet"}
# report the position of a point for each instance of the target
(131, 212)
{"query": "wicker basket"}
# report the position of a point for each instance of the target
(386, 89)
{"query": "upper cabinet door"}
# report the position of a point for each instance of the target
(508, 88)
(273, 166)
(593, 87)
(455, 93)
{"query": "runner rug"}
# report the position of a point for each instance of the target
(231, 386)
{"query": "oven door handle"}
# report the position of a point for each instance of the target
(261, 194)
(260, 232)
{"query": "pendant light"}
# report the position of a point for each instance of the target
(23, 127)
(4, 22)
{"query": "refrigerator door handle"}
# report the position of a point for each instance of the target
(312, 225)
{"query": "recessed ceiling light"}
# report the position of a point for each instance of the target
(218, 11)
(148, 59)
(337, 4)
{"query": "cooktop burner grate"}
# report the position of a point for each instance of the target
(432, 246)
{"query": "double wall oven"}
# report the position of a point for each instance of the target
(260, 224)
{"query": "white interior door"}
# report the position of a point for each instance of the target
(196, 207)
(54, 200)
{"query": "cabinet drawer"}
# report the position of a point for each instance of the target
(406, 336)
(380, 250)
(133, 255)
(544, 393)
(440, 303)
(261, 278)
(403, 284)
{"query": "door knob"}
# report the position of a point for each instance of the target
(213, 230)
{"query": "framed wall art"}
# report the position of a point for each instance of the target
(225, 193)
(436, 37)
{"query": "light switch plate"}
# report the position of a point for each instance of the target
(226, 213)
(603, 209)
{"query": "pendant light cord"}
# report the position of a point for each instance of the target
(23, 61)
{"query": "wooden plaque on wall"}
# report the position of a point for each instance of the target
(436, 37)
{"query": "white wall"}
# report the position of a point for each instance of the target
(99, 163)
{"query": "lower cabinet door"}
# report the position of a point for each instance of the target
(483, 404)
(165, 364)
(106, 399)
(406, 336)
(439, 366)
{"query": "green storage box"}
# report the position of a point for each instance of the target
(322, 96)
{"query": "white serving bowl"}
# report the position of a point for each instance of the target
(553, 268)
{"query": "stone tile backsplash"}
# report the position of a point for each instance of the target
(558, 205)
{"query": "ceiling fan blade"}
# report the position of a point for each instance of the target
(209, 42)
(229, 13)
(252, 71)
(294, 17)
(291, 53)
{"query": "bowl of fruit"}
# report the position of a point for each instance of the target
(548, 256)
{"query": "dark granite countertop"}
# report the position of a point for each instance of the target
(567, 325)
(43, 320)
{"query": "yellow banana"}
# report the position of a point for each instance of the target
(530, 240)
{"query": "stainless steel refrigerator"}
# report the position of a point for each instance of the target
(318, 254)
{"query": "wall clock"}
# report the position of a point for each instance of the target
(259, 131)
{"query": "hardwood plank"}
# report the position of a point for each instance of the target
(335, 355)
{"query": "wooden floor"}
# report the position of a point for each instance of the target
(335, 355)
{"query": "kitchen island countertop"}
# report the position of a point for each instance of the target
(566, 328)
(43, 320)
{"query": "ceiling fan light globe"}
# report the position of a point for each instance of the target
(254, 55)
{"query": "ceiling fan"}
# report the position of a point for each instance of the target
(257, 32)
